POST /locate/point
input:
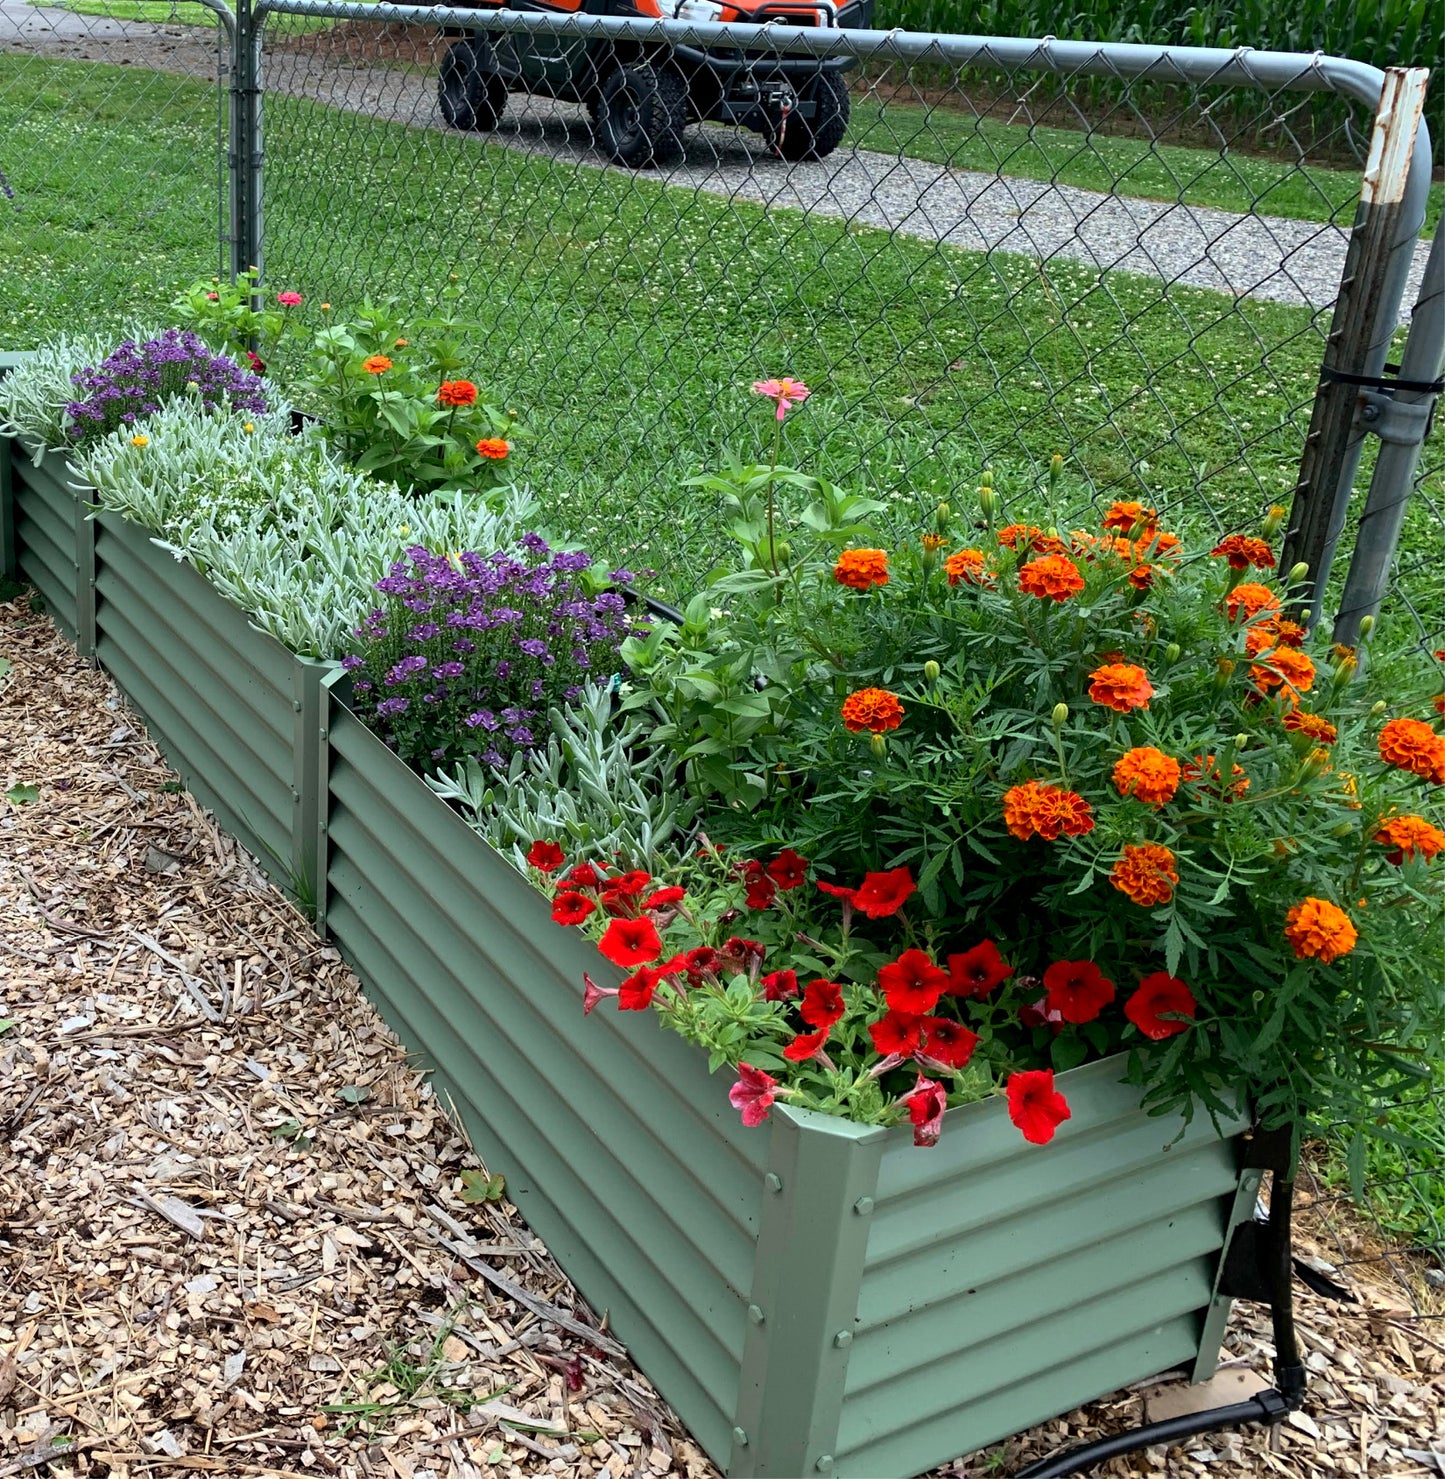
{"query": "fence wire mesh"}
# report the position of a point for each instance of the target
(113, 146)
(988, 265)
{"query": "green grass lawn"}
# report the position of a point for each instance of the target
(625, 319)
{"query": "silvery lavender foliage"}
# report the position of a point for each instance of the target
(135, 380)
(469, 650)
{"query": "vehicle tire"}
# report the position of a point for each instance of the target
(639, 113)
(818, 136)
(471, 96)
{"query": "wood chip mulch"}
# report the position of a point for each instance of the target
(240, 1235)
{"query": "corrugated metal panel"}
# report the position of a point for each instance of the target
(216, 693)
(1003, 1285)
(46, 515)
(620, 1151)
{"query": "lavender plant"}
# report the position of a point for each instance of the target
(135, 380)
(469, 650)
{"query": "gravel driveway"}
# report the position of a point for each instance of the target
(1256, 256)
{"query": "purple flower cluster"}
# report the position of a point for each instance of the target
(135, 380)
(469, 651)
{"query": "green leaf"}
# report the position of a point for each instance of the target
(354, 1094)
(6, 1023)
(477, 1187)
(5, 666)
(22, 794)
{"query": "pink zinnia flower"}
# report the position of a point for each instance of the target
(787, 392)
(289, 299)
(753, 1094)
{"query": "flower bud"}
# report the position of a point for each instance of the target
(1223, 671)
(1342, 830)
(1241, 742)
(985, 478)
(1061, 715)
(941, 517)
(1297, 573)
(1273, 521)
(1378, 708)
(878, 744)
(988, 502)
(1367, 625)
(931, 671)
(1171, 652)
(1056, 467)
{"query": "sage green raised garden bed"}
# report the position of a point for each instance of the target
(812, 1296)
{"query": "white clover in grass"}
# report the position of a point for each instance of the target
(596, 789)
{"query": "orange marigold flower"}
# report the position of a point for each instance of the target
(1126, 516)
(1286, 633)
(1146, 873)
(1158, 544)
(1141, 577)
(1287, 668)
(1439, 702)
(376, 364)
(1412, 745)
(1316, 927)
(1147, 774)
(861, 569)
(1121, 686)
(1051, 578)
(1408, 835)
(1312, 726)
(967, 565)
(932, 543)
(1250, 598)
(457, 393)
(873, 709)
(1030, 536)
(495, 448)
(1243, 550)
(1034, 809)
(1204, 768)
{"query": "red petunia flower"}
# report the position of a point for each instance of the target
(664, 898)
(546, 857)
(584, 875)
(630, 942)
(702, 962)
(822, 1003)
(1160, 993)
(745, 956)
(1077, 989)
(637, 989)
(976, 972)
(760, 889)
(788, 870)
(926, 1103)
(898, 1033)
(753, 1094)
(837, 891)
(1039, 1014)
(883, 894)
(780, 985)
(948, 1042)
(630, 885)
(912, 983)
(571, 907)
(806, 1045)
(1034, 1105)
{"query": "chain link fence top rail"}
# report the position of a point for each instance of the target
(1046, 247)
(112, 160)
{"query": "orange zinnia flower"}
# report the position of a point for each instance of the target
(1316, 927)
(1037, 810)
(861, 569)
(1052, 578)
(1412, 745)
(1121, 686)
(1242, 551)
(1146, 873)
(1017, 536)
(1147, 774)
(1409, 835)
(1250, 598)
(1312, 726)
(967, 565)
(873, 709)
(1127, 515)
(457, 393)
(376, 364)
(496, 448)
(1287, 668)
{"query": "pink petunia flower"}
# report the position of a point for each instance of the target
(753, 1094)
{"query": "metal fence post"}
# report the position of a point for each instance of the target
(1400, 417)
(1382, 245)
(245, 155)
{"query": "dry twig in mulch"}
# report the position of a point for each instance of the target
(235, 1226)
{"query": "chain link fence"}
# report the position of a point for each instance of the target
(975, 260)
